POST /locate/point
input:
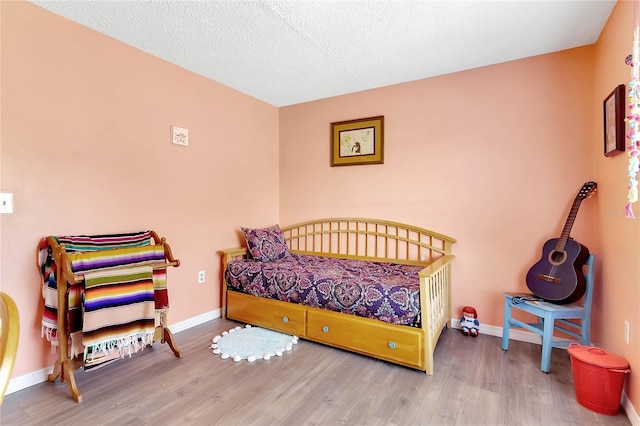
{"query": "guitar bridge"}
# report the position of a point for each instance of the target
(549, 279)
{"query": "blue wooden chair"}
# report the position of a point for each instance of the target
(552, 316)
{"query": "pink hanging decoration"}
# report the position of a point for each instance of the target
(633, 120)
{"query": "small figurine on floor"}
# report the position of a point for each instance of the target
(469, 322)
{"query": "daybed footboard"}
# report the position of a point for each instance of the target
(435, 304)
(359, 239)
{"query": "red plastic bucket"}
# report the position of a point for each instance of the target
(598, 377)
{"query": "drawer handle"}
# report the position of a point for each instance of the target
(392, 345)
(285, 319)
(325, 329)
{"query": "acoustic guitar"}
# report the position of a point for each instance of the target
(558, 275)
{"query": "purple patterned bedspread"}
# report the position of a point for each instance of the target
(384, 291)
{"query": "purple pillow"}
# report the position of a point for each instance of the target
(266, 244)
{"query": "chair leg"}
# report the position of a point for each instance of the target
(506, 324)
(586, 332)
(547, 343)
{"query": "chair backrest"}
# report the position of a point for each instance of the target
(9, 334)
(589, 276)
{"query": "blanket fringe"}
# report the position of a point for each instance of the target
(51, 336)
(125, 346)
(161, 317)
(77, 348)
(48, 333)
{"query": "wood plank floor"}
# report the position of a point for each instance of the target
(475, 383)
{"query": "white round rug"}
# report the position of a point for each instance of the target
(252, 343)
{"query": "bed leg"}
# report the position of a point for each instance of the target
(429, 365)
(223, 301)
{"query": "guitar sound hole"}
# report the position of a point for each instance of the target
(557, 257)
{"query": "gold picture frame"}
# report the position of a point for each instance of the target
(357, 142)
(614, 122)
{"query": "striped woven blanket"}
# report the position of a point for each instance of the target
(119, 311)
(130, 256)
(95, 252)
(104, 242)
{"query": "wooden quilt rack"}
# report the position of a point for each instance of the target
(65, 366)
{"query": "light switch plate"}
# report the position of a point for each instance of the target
(179, 136)
(6, 202)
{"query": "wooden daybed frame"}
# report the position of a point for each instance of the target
(359, 239)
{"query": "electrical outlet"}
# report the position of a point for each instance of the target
(200, 277)
(626, 332)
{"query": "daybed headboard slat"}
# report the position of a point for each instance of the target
(367, 239)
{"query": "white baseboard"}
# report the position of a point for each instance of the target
(33, 378)
(28, 380)
(629, 409)
(193, 321)
(492, 330)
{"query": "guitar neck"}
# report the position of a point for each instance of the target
(566, 231)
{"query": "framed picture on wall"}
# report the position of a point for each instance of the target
(614, 122)
(358, 141)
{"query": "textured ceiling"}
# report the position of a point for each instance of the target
(285, 52)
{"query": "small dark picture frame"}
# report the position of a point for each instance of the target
(358, 141)
(614, 122)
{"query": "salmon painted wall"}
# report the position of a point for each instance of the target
(86, 150)
(618, 296)
(493, 157)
